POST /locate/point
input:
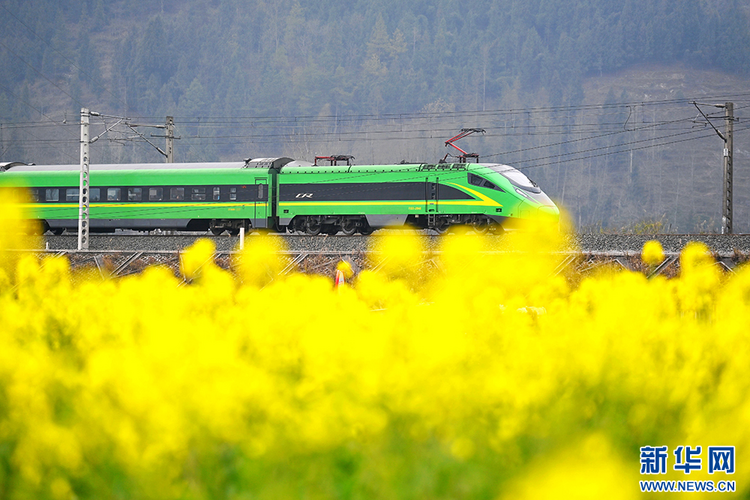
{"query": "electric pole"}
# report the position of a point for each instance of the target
(727, 209)
(170, 139)
(83, 186)
(169, 135)
(727, 204)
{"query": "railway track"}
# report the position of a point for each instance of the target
(723, 245)
(124, 254)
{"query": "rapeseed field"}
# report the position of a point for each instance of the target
(489, 378)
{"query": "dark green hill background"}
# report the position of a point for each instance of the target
(591, 97)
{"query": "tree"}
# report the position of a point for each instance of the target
(88, 65)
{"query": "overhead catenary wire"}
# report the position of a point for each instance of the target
(300, 130)
(610, 153)
(447, 114)
(441, 130)
(298, 121)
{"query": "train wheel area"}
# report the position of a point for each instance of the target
(313, 225)
(442, 224)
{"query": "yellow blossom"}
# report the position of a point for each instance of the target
(653, 253)
(461, 373)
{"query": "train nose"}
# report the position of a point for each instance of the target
(549, 212)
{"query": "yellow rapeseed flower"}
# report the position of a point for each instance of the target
(195, 257)
(466, 372)
(653, 253)
(260, 262)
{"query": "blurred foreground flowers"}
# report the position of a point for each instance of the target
(400, 386)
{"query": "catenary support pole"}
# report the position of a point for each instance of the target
(727, 208)
(170, 139)
(727, 202)
(83, 187)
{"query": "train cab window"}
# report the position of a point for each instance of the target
(52, 194)
(113, 194)
(135, 194)
(198, 194)
(475, 180)
(233, 194)
(71, 194)
(176, 194)
(95, 194)
(217, 194)
(155, 194)
(490, 185)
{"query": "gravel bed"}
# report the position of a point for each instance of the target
(672, 243)
(725, 245)
(162, 243)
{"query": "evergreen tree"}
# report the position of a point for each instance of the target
(530, 61)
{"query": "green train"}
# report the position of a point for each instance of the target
(282, 194)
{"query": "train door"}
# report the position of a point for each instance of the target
(261, 205)
(431, 194)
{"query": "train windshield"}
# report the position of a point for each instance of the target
(517, 178)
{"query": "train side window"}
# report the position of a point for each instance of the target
(52, 194)
(244, 194)
(135, 194)
(217, 194)
(113, 194)
(198, 194)
(176, 194)
(233, 194)
(34, 194)
(95, 194)
(71, 194)
(155, 194)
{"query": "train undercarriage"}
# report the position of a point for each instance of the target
(311, 225)
(358, 224)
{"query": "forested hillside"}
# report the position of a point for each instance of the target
(257, 78)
